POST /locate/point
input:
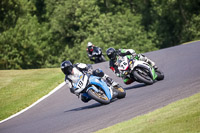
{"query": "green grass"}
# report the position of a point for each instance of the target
(179, 117)
(21, 88)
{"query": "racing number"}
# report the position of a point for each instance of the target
(80, 84)
(124, 65)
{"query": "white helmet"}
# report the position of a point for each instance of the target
(89, 44)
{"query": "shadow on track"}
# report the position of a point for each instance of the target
(95, 105)
(135, 86)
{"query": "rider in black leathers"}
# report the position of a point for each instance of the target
(90, 50)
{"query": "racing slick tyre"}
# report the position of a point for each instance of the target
(142, 76)
(99, 96)
(121, 92)
(160, 75)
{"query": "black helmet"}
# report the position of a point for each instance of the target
(111, 53)
(66, 67)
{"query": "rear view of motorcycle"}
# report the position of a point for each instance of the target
(98, 55)
(139, 71)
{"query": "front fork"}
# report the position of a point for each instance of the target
(154, 75)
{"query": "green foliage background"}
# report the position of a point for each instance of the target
(43, 33)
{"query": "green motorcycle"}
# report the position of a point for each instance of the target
(137, 70)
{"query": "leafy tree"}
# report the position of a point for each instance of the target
(191, 29)
(168, 19)
(43, 33)
(22, 47)
(9, 13)
(123, 31)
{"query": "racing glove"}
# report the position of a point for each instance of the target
(119, 75)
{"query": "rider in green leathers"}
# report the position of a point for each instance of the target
(113, 54)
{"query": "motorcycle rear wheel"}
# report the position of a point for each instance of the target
(103, 59)
(141, 77)
(99, 97)
(121, 92)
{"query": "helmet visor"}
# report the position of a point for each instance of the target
(68, 70)
(90, 48)
(111, 56)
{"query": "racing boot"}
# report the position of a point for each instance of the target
(114, 84)
(150, 62)
(110, 81)
(84, 98)
(128, 80)
(115, 87)
(118, 91)
(155, 67)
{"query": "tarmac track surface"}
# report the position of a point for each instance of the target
(63, 112)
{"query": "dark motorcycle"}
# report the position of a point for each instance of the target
(97, 55)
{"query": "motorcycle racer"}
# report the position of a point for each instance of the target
(73, 71)
(90, 50)
(114, 54)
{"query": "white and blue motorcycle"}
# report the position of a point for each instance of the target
(97, 89)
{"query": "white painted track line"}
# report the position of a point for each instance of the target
(50, 93)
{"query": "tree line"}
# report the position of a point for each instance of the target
(43, 33)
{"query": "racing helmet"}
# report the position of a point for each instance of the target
(90, 46)
(111, 53)
(66, 67)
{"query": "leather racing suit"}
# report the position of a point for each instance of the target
(81, 68)
(124, 52)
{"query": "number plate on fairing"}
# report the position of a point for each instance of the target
(122, 63)
(81, 84)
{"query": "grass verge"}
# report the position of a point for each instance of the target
(179, 117)
(21, 88)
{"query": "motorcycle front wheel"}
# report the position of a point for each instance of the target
(160, 75)
(142, 76)
(99, 96)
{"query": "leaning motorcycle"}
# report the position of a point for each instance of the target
(96, 88)
(98, 55)
(137, 70)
